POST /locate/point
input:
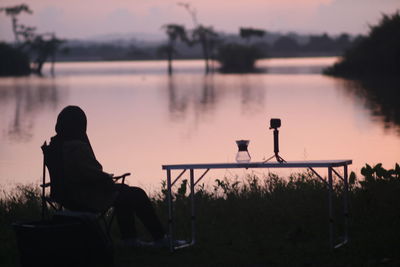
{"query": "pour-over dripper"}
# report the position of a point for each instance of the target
(243, 155)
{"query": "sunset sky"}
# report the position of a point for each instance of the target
(85, 19)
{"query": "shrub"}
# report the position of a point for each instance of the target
(238, 58)
(378, 53)
(14, 62)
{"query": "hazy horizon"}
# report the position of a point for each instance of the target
(82, 20)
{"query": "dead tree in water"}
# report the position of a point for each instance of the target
(174, 32)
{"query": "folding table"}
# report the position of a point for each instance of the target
(331, 165)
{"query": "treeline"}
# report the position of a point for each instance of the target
(378, 54)
(317, 45)
(271, 45)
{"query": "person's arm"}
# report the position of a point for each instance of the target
(82, 162)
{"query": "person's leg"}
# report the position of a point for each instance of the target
(131, 201)
(124, 212)
(146, 213)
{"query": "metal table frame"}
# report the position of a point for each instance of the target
(329, 164)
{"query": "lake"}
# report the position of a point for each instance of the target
(139, 118)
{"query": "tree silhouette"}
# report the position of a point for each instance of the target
(13, 61)
(208, 39)
(174, 32)
(41, 47)
(44, 46)
(286, 45)
(205, 36)
(13, 12)
(247, 33)
(377, 54)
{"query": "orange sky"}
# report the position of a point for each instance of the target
(81, 19)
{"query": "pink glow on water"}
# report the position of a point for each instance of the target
(139, 118)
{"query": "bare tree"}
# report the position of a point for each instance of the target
(174, 32)
(205, 36)
(13, 12)
(44, 46)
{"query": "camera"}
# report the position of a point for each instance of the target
(275, 123)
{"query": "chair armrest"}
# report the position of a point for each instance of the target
(45, 185)
(116, 178)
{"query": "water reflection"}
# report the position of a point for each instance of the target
(192, 118)
(381, 97)
(253, 93)
(198, 93)
(177, 101)
(202, 94)
(26, 97)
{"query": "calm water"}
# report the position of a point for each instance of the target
(139, 118)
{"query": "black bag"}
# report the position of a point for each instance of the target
(63, 241)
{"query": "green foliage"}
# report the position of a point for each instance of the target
(14, 62)
(378, 173)
(238, 58)
(376, 54)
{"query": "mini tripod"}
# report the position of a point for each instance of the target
(275, 124)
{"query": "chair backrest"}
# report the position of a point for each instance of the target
(53, 160)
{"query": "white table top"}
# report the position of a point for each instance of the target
(288, 164)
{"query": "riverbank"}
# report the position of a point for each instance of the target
(258, 221)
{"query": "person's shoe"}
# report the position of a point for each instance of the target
(136, 243)
(165, 242)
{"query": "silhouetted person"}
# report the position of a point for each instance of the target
(85, 187)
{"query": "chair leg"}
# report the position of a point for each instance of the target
(108, 224)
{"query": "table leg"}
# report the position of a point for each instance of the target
(346, 207)
(330, 193)
(169, 199)
(193, 217)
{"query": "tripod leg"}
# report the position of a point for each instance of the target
(269, 159)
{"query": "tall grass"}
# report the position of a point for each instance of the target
(20, 204)
(260, 221)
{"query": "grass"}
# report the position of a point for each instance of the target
(258, 221)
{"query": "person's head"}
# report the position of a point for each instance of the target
(71, 124)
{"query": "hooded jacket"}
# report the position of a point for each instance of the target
(85, 186)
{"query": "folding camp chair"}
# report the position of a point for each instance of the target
(55, 199)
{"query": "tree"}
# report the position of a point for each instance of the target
(377, 54)
(320, 43)
(205, 36)
(286, 45)
(237, 57)
(13, 12)
(174, 32)
(208, 39)
(343, 42)
(247, 33)
(45, 46)
(13, 61)
(39, 46)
